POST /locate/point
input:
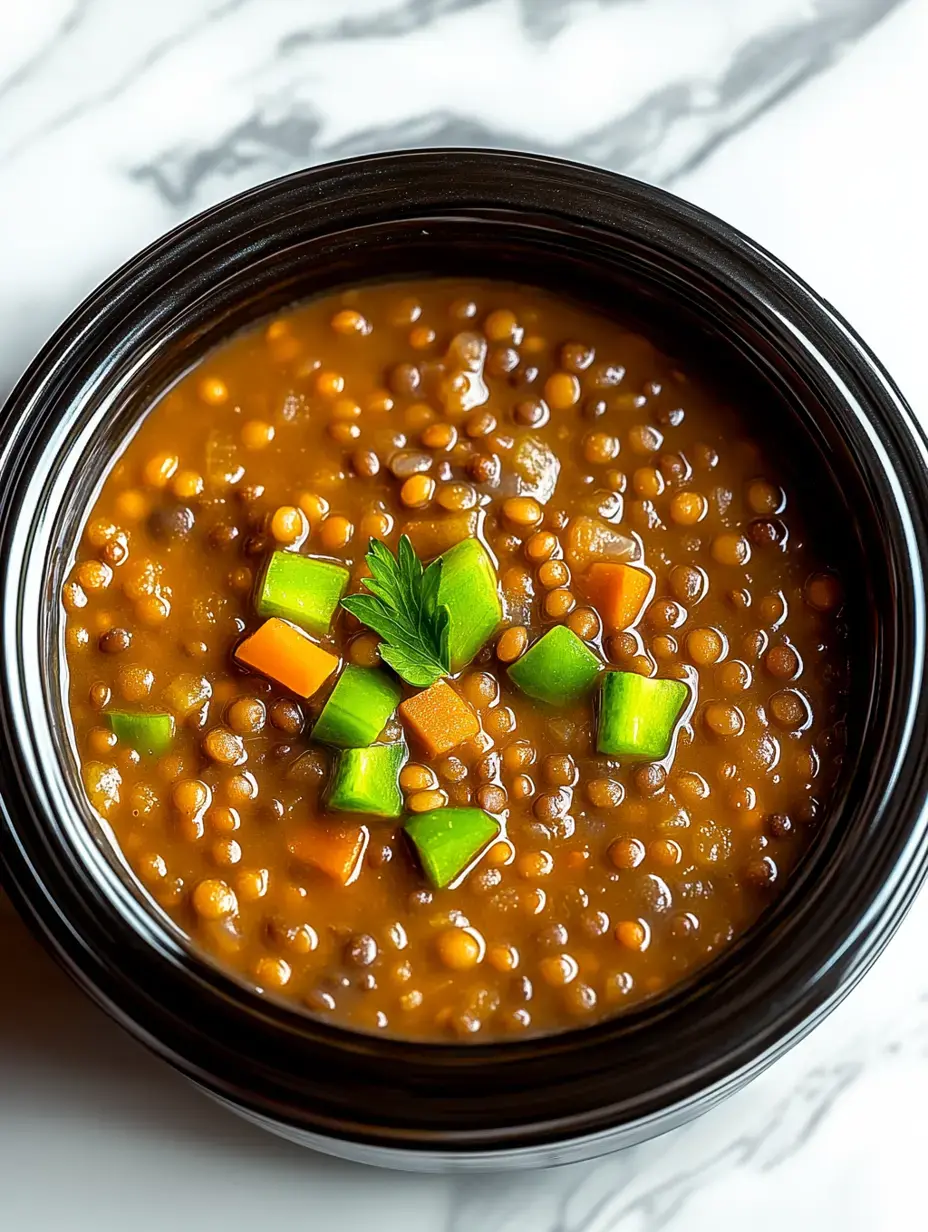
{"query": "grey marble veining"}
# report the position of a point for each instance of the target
(666, 131)
(796, 118)
(130, 119)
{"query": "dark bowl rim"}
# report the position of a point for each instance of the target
(104, 313)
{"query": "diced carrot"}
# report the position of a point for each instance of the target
(285, 653)
(619, 593)
(440, 718)
(335, 850)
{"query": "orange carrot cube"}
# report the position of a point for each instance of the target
(337, 851)
(285, 654)
(619, 593)
(440, 718)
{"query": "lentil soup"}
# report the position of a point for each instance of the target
(512, 791)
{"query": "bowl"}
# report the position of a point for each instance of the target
(605, 239)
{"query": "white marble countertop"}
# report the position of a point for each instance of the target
(798, 120)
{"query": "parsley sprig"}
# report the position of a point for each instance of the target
(403, 608)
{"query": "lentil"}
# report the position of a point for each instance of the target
(705, 646)
(212, 900)
(633, 934)
(224, 747)
(553, 574)
(562, 391)
(246, 715)
(460, 949)
(288, 524)
(626, 853)
(688, 508)
(723, 720)
(585, 623)
(417, 491)
(511, 644)
(605, 793)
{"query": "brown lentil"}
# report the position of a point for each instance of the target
(246, 715)
(224, 747)
(491, 798)
(584, 622)
(115, 641)
(723, 720)
(287, 717)
(626, 853)
(704, 646)
(553, 574)
(511, 644)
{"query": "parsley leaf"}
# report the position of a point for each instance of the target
(403, 608)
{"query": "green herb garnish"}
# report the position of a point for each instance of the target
(403, 608)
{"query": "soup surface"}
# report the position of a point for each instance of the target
(547, 777)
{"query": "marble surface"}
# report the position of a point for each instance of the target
(798, 120)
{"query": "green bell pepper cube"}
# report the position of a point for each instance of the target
(470, 591)
(149, 734)
(358, 708)
(368, 781)
(638, 714)
(302, 589)
(448, 840)
(558, 669)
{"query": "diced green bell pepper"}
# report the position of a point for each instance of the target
(368, 780)
(448, 840)
(358, 707)
(558, 669)
(638, 714)
(149, 734)
(470, 591)
(302, 589)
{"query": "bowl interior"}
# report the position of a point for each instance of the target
(708, 296)
(788, 420)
